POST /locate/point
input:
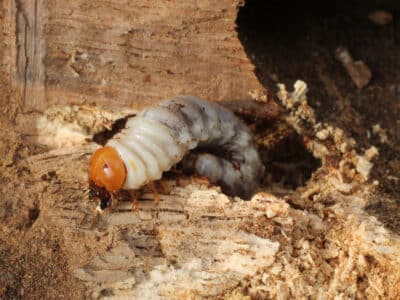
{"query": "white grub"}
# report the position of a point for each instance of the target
(161, 135)
(359, 72)
(380, 17)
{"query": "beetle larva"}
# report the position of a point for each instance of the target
(161, 135)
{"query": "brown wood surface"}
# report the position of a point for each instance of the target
(126, 53)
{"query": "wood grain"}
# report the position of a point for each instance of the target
(126, 53)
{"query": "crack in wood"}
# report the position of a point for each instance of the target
(28, 73)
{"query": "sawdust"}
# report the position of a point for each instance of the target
(33, 262)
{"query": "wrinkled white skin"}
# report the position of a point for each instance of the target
(161, 135)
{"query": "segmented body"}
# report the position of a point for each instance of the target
(160, 136)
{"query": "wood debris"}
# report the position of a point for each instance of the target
(380, 17)
(359, 72)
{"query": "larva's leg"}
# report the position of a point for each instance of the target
(184, 181)
(106, 201)
(162, 187)
(156, 195)
(201, 180)
(134, 196)
(178, 181)
(135, 205)
(112, 203)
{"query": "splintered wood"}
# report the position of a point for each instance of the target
(191, 243)
(359, 72)
(199, 243)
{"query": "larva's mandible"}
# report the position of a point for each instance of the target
(162, 135)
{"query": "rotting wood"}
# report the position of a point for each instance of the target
(200, 243)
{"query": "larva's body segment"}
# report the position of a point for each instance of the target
(161, 135)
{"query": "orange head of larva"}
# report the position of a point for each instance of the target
(107, 170)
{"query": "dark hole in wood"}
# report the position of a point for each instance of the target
(33, 214)
(288, 162)
(288, 40)
(103, 136)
